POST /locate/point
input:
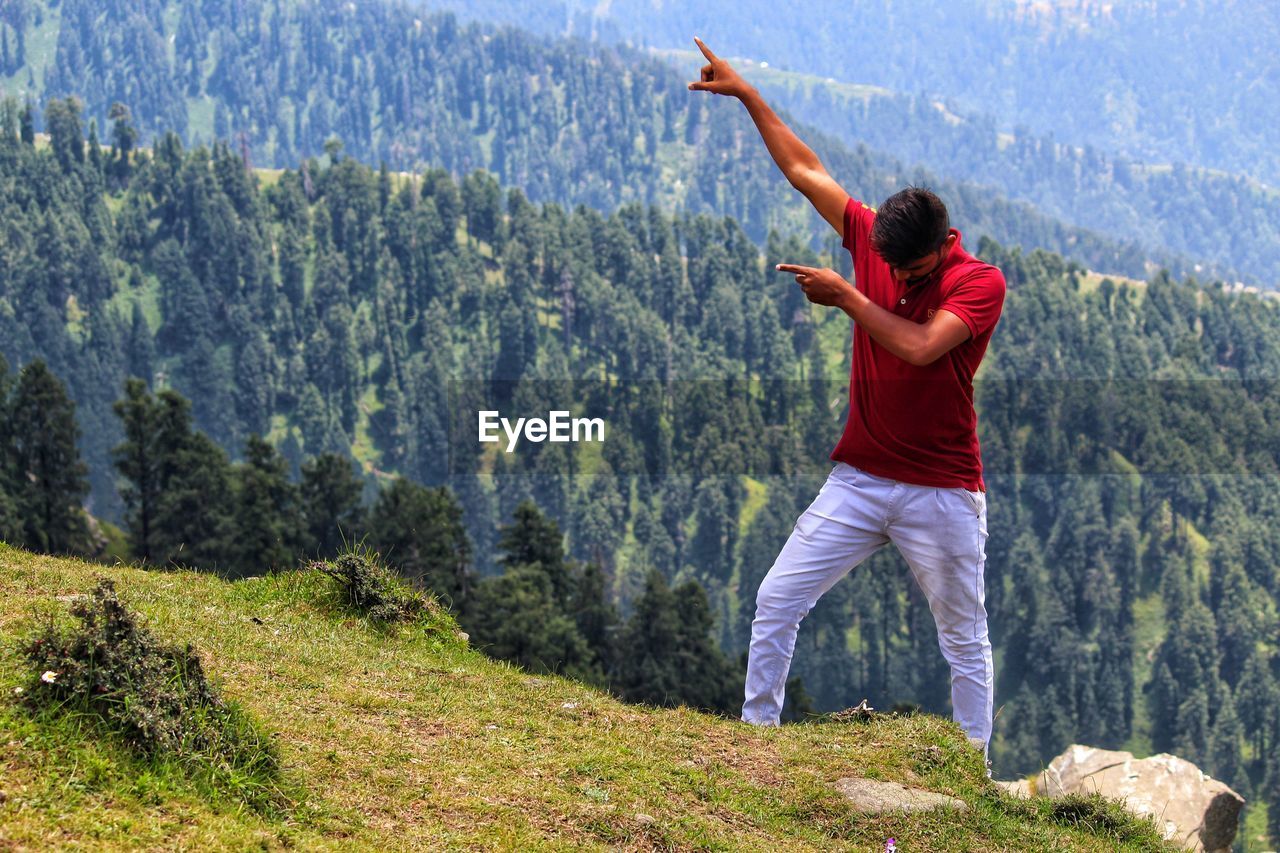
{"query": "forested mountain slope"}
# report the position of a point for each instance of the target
(1067, 168)
(1155, 80)
(1131, 433)
(562, 120)
(1229, 221)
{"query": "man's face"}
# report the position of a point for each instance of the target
(918, 271)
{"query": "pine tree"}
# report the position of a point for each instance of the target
(516, 617)
(137, 461)
(596, 617)
(50, 478)
(667, 655)
(193, 514)
(27, 125)
(1224, 746)
(10, 519)
(1256, 698)
(1272, 797)
(645, 671)
(330, 503)
(419, 531)
(62, 121)
(534, 539)
(266, 511)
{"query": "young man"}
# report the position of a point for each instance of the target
(908, 468)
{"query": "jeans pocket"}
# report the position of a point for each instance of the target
(977, 500)
(845, 473)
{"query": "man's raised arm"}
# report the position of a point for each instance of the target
(796, 160)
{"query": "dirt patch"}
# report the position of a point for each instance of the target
(753, 759)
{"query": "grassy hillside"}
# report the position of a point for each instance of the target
(403, 739)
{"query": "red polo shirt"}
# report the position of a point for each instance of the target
(908, 423)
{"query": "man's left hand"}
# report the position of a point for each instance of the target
(822, 286)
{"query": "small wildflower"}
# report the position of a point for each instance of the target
(17, 691)
(49, 677)
(890, 846)
(569, 705)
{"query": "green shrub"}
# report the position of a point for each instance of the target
(155, 696)
(372, 590)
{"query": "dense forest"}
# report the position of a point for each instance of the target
(1159, 81)
(1229, 222)
(564, 121)
(1129, 431)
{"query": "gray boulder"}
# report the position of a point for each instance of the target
(1189, 807)
(874, 796)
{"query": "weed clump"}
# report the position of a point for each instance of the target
(157, 697)
(372, 590)
(1100, 816)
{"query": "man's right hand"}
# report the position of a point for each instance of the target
(717, 76)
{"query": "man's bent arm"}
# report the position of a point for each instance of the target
(914, 343)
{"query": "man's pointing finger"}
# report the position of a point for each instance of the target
(706, 51)
(795, 268)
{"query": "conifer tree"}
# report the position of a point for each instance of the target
(49, 475)
(534, 539)
(10, 520)
(595, 615)
(516, 617)
(266, 511)
(330, 503)
(137, 461)
(418, 529)
(667, 655)
(193, 515)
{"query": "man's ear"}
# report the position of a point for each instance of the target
(949, 242)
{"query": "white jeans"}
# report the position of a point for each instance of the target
(942, 533)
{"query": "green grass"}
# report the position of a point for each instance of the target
(42, 45)
(399, 738)
(1254, 832)
(1148, 630)
(200, 118)
(757, 497)
(363, 447)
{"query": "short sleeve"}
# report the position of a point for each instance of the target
(977, 299)
(857, 226)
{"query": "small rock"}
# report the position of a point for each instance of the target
(1020, 788)
(646, 820)
(873, 796)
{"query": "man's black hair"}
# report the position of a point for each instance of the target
(909, 225)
